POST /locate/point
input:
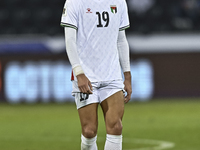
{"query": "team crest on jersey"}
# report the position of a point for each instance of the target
(113, 9)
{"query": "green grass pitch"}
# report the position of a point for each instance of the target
(57, 126)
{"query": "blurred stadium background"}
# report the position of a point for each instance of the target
(164, 41)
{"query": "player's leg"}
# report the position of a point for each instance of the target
(113, 109)
(87, 108)
(89, 123)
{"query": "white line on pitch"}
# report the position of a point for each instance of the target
(160, 145)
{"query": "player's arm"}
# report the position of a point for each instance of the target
(123, 50)
(70, 41)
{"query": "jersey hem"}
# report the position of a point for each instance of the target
(96, 81)
(123, 28)
(68, 25)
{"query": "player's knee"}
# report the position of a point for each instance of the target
(90, 132)
(118, 127)
(115, 127)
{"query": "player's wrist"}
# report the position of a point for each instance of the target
(127, 75)
(78, 70)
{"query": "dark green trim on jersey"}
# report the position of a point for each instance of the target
(123, 28)
(68, 25)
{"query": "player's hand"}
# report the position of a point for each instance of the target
(127, 86)
(84, 84)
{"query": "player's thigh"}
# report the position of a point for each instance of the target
(89, 118)
(113, 108)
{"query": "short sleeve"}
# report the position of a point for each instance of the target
(70, 15)
(124, 22)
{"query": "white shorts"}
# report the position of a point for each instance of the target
(101, 91)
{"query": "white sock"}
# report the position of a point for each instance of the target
(113, 142)
(88, 144)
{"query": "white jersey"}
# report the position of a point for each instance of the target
(97, 23)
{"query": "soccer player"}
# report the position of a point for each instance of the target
(97, 49)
